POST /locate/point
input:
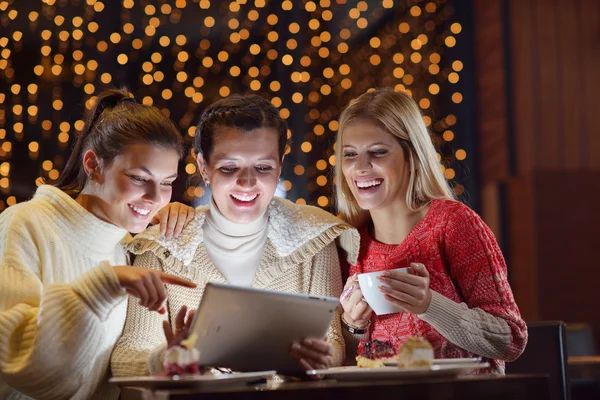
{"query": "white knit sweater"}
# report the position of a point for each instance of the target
(299, 256)
(61, 306)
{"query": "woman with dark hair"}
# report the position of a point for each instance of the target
(246, 236)
(63, 273)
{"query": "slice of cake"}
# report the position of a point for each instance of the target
(416, 352)
(182, 359)
(374, 354)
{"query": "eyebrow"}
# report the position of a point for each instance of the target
(269, 158)
(146, 170)
(372, 144)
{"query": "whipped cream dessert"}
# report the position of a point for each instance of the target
(416, 352)
(182, 359)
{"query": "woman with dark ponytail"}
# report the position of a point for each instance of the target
(63, 273)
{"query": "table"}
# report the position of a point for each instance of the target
(584, 376)
(471, 387)
(584, 367)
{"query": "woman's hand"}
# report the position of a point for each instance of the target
(148, 285)
(409, 290)
(356, 311)
(313, 353)
(173, 218)
(182, 327)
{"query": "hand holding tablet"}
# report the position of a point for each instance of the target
(249, 329)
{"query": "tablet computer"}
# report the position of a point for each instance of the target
(249, 329)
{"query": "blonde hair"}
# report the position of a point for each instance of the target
(398, 114)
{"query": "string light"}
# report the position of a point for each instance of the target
(310, 80)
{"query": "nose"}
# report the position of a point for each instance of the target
(363, 164)
(152, 193)
(246, 178)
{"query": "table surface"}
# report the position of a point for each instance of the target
(584, 360)
(472, 387)
(584, 368)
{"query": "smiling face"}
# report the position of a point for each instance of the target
(243, 170)
(133, 187)
(374, 165)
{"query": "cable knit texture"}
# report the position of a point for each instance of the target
(300, 256)
(61, 306)
(472, 311)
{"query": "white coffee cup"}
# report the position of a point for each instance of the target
(369, 285)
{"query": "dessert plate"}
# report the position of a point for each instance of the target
(187, 381)
(354, 373)
(443, 361)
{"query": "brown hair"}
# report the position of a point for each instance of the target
(243, 112)
(115, 122)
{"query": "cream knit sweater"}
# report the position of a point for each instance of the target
(61, 306)
(300, 256)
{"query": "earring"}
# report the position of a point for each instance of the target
(91, 176)
(207, 183)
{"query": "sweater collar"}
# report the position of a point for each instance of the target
(290, 227)
(233, 229)
(91, 234)
(233, 240)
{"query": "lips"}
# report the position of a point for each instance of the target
(365, 184)
(139, 211)
(244, 199)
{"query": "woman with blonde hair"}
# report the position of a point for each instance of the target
(455, 292)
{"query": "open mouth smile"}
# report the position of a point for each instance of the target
(138, 211)
(369, 184)
(244, 199)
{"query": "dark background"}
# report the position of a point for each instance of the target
(311, 58)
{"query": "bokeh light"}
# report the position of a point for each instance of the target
(310, 58)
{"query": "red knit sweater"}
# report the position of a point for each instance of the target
(465, 265)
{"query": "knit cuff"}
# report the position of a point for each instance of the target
(100, 289)
(443, 314)
(352, 341)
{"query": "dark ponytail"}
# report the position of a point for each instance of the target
(243, 112)
(115, 122)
